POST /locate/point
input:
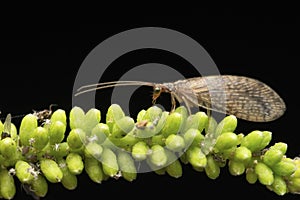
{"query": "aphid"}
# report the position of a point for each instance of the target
(7, 127)
(244, 97)
(44, 115)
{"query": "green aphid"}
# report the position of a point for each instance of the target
(93, 149)
(99, 133)
(152, 114)
(24, 171)
(8, 148)
(39, 186)
(196, 121)
(175, 143)
(7, 184)
(127, 166)
(228, 124)
(140, 151)
(56, 131)
(51, 170)
(193, 137)
(264, 173)
(109, 162)
(59, 115)
(113, 114)
(122, 127)
(242, 154)
(28, 124)
(94, 169)
(272, 156)
(91, 119)
(75, 163)
(76, 118)
(39, 138)
(226, 141)
(212, 168)
(236, 168)
(173, 168)
(278, 186)
(196, 157)
(76, 138)
(158, 156)
(69, 180)
(251, 176)
(253, 141)
(286, 167)
(173, 124)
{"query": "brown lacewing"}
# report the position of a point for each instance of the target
(244, 97)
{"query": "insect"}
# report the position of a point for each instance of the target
(7, 127)
(44, 115)
(244, 97)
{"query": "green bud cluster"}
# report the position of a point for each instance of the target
(67, 145)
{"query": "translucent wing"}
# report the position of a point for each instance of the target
(7, 127)
(244, 97)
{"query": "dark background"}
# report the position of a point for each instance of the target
(38, 66)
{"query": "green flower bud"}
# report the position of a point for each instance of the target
(7, 184)
(279, 186)
(51, 170)
(158, 139)
(146, 131)
(113, 114)
(196, 121)
(158, 156)
(94, 170)
(24, 171)
(236, 168)
(228, 124)
(196, 157)
(74, 163)
(59, 150)
(285, 167)
(264, 173)
(93, 149)
(127, 166)
(39, 138)
(175, 143)
(251, 176)
(294, 185)
(69, 180)
(59, 115)
(242, 154)
(57, 131)
(212, 169)
(173, 124)
(109, 162)
(76, 118)
(193, 137)
(173, 168)
(39, 186)
(99, 133)
(140, 115)
(253, 141)
(267, 137)
(92, 118)
(28, 124)
(161, 122)
(272, 157)
(140, 151)
(122, 126)
(76, 138)
(280, 146)
(226, 141)
(152, 114)
(8, 148)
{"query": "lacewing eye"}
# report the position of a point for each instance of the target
(157, 90)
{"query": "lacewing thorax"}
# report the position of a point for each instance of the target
(244, 97)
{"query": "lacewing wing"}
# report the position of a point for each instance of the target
(244, 97)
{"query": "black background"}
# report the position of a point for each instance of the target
(38, 66)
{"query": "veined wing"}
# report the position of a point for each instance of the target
(244, 97)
